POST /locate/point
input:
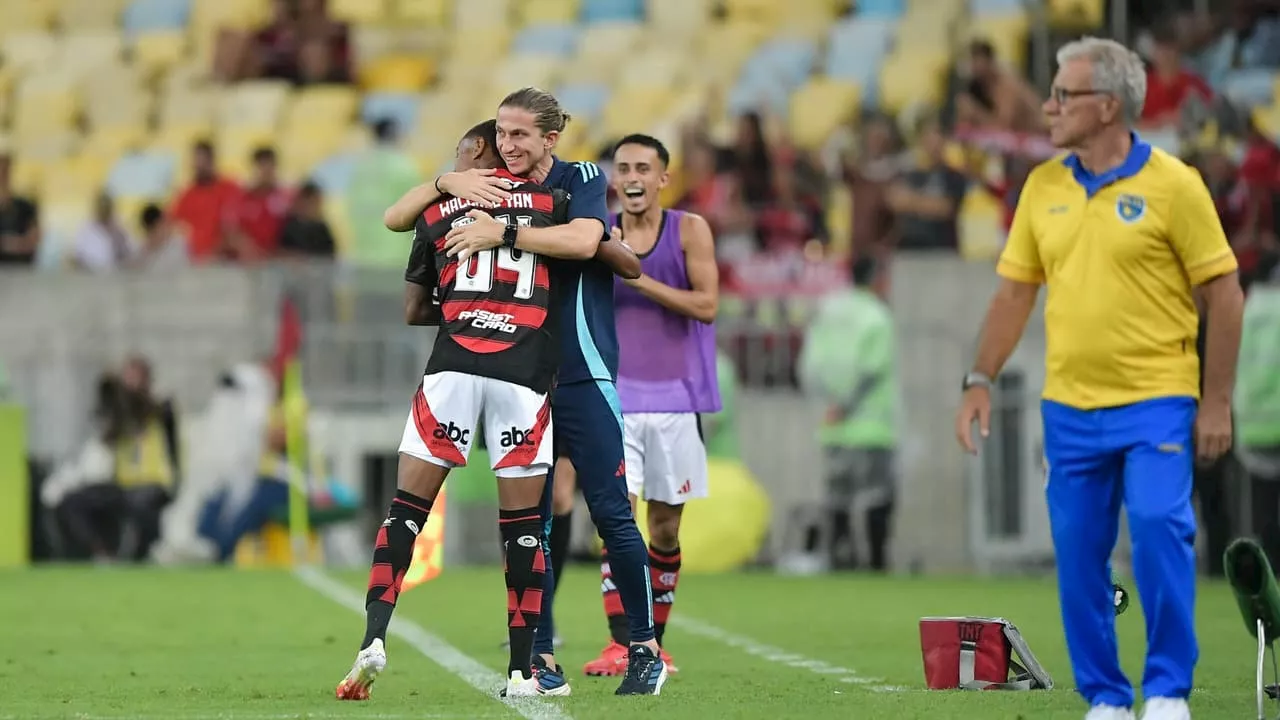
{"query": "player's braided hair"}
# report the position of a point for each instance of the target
(549, 116)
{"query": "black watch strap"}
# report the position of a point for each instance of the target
(509, 235)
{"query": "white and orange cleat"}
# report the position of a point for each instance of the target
(369, 662)
(612, 661)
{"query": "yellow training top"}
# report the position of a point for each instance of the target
(1119, 253)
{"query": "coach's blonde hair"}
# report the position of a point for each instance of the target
(546, 110)
(1116, 70)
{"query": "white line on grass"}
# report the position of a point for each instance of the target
(778, 655)
(435, 649)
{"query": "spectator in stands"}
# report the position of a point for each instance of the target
(115, 513)
(715, 196)
(102, 244)
(383, 171)
(19, 222)
(204, 206)
(306, 234)
(996, 97)
(869, 175)
(316, 65)
(926, 199)
(789, 222)
(1170, 85)
(256, 215)
(162, 248)
(751, 160)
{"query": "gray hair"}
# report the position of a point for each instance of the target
(1116, 70)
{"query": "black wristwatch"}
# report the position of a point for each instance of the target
(975, 379)
(509, 235)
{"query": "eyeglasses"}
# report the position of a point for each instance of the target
(1061, 95)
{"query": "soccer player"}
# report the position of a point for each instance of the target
(1126, 238)
(666, 373)
(585, 403)
(495, 353)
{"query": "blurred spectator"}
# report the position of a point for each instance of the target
(316, 65)
(162, 247)
(381, 174)
(256, 215)
(869, 176)
(996, 97)
(926, 199)
(751, 160)
(1169, 84)
(109, 501)
(102, 244)
(716, 197)
(205, 206)
(1249, 39)
(789, 222)
(19, 222)
(300, 43)
(305, 233)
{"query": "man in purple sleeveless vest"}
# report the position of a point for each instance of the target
(666, 372)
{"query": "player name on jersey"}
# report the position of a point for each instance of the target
(541, 202)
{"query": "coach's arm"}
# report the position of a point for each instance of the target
(579, 239)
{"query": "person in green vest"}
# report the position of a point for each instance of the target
(720, 429)
(381, 174)
(1257, 412)
(849, 362)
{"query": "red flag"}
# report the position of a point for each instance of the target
(288, 336)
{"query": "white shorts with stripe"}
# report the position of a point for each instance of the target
(447, 409)
(666, 460)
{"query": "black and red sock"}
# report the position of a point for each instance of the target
(664, 568)
(524, 565)
(619, 627)
(392, 553)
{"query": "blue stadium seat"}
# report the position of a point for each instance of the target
(142, 16)
(996, 7)
(1255, 86)
(594, 11)
(333, 174)
(856, 48)
(148, 175)
(547, 39)
(399, 107)
(584, 100)
(881, 8)
(771, 74)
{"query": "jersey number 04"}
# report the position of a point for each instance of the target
(476, 274)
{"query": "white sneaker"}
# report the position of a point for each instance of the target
(1109, 712)
(520, 686)
(1163, 708)
(369, 662)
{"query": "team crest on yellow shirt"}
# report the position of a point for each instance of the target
(1131, 208)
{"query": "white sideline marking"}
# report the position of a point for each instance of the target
(435, 649)
(779, 656)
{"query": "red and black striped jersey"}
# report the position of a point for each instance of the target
(498, 314)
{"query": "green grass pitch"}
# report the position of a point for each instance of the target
(151, 644)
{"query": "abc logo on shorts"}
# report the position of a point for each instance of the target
(516, 436)
(452, 433)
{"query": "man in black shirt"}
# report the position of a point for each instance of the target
(19, 222)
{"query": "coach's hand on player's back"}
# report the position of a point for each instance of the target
(484, 232)
(975, 404)
(478, 185)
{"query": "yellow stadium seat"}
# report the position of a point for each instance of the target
(112, 142)
(608, 41)
(683, 16)
(44, 107)
(421, 12)
(47, 146)
(634, 107)
(819, 107)
(156, 52)
(29, 50)
(482, 14)
(478, 46)
(517, 71)
(654, 68)
(839, 217)
(304, 148)
(81, 175)
(397, 73)
(980, 227)
(1006, 33)
(255, 103)
(358, 12)
(74, 15)
(528, 12)
(762, 11)
(208, 16)
(27, 172)
(21, 16)
(1267, 118)
(89, 50)
(235, 148)
(913, 75)
(188, 107)
(322, 104)
(1076, 14)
